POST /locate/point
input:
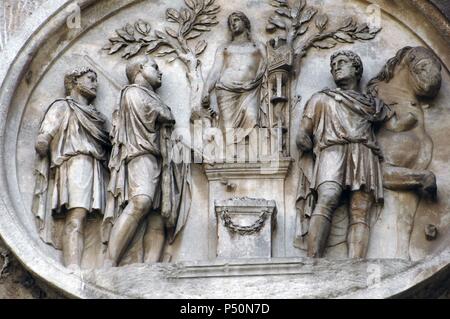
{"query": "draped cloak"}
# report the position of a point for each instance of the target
(241, 105)
(136, 132)
(344, 119)
(78, 138)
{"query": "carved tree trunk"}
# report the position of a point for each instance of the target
(195, 78)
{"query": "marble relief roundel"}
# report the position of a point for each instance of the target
(210, 149)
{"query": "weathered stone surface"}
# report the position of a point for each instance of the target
(18, 283)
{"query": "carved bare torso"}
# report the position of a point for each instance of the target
(242, 62)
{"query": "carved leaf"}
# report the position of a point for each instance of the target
(152, 46)
(213, 9)
(343, 37)
(364, 36)
(375, 30)
(349, 25)
(301, 4)
(325, 44)
(307, 15)
(280, 3)
(124, 35)
(143, 27)
(185, 14)
(190, 3)
(171, 59)
(116, 47)
(321, 22)
(131, 50)
(160, 35)
(207, 21)
(275, 4)
(185, 28)
(200, 47)
(165, 52)
(347, 22)
(202, 28)
(172, 14)
(284, 12)
(116, 39)
(172, 32)
(303, 29)
(294, 13)
(129, 29)
(277, 22)
(149, 38)
(193, 35)
(363, 28)
(108, 46)
(297, 9)
(270, 27)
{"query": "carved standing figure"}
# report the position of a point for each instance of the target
(237, 76)
(143, 178)
(407, 78)
(72, 148)
(337, 125)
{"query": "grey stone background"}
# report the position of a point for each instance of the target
(15, 281)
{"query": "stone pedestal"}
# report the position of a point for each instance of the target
(245, 227)
(251, 180)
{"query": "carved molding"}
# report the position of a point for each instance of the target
(277, 169)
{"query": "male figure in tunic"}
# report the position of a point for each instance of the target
(337, 125)
(136, 159)
(237, 76)
(72, 147)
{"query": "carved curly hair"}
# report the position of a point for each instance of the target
(356, 60)
(243, 17)
(71, 77)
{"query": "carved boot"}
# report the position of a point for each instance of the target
(319, 230)
(358, 240)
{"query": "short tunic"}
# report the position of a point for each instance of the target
(344, 141)
(78, 152)
(144, 174)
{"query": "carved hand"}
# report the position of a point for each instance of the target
(166, 116)
(43, 144)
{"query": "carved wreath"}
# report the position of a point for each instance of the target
(244, 230)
